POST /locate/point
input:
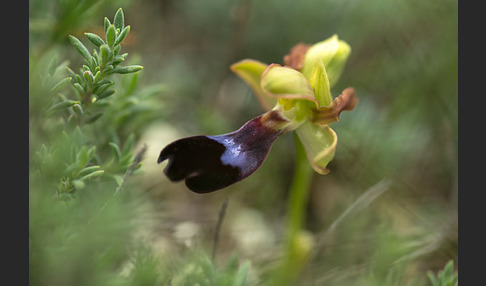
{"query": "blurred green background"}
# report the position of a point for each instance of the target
(401, 139)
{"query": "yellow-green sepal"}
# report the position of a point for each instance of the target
(319, 143)
(319, 81)
(333, 53)
(251, 71)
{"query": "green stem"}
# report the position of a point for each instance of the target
(298, 193)
(298, 199)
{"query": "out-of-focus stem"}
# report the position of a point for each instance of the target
(296, 255)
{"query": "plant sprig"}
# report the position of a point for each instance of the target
(93, 82)
(445, 277)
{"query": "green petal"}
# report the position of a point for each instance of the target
(251, 71)
(320, 83)
(333, 53)
(286, 83)
(319, 144)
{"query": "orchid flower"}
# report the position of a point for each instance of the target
(297, 98)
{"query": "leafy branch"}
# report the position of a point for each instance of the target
(93, 83)
(445, 277)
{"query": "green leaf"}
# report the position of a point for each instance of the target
(448, 269)
(119, 20)
(106, 93)
(133, 83)
(92, 175)
(102, 85)
(117, 60)
(92, 118)
(107, 24)
(110, 36)
(60, 84)
(105, 52)
(94, 39)
(127, 69)
(122, 35)
(70, 73)
(88, 76)
(82, 157)
(80, 47)
(52, 66)
(432, 279)
(116, 49)
(108, 70)
(97, 76)
(62, 105)
(93, 63)
(116, 150)
(79, 88)
(96, 58)
(88, 170)
(127, 148)
(242, 274)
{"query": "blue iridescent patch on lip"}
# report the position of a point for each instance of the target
(210, 163)
(233, 155)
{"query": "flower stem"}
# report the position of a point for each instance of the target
(296, 247)
(298, 193)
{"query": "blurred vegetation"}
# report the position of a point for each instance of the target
(385, 215)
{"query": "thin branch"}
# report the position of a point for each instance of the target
(138, 158)
(217, 231)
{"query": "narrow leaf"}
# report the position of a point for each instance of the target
(94, 39)
(107, 24)
(80, 47)
(122, 35)
(82, 157)
(63, 105)
(110, 36)
(105, 53)
(116, 49)
(60, 84)
(92, 176)
(108, 70)
(92, 118)
(107, 93)
(79, 88)
(116, 150)
(97, 76)
(101, 88)
(117, 60)
(88, 170)
(70, 73)
(119, 20)
(52, 66)
(127, 69)
(127, 148)
(88, 76)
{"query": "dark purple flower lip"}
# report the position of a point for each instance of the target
(210, 163)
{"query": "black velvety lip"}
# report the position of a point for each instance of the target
(210, 163)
